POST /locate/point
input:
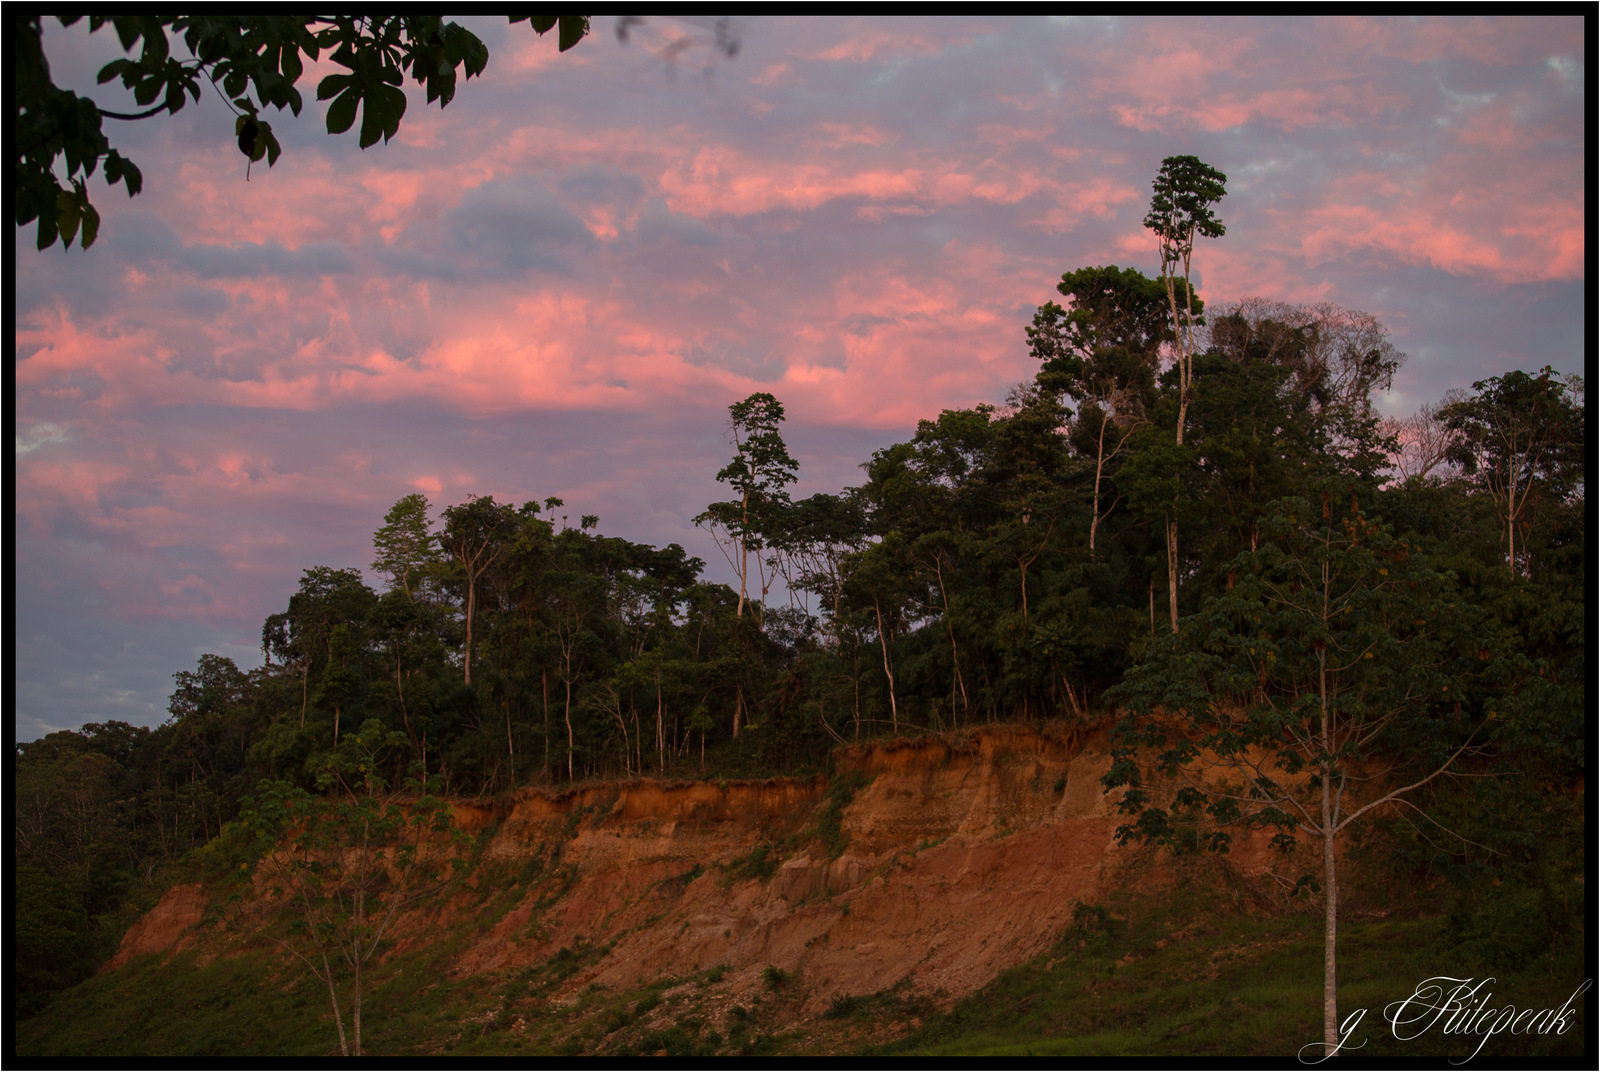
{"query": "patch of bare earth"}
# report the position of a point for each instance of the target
(965, 856)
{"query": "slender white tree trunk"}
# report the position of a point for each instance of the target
(1330, 929)
(888, 671)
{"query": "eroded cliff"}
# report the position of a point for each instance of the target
(933, 864)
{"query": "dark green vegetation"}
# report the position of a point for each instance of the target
(1193, 973)
(253, 62)
(1002, 563)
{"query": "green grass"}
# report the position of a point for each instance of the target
(1180, 976)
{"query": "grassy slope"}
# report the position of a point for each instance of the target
(1186, 975)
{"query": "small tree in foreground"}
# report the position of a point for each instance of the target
(1329, 682)
(347, 863)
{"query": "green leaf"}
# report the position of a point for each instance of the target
(573, 29)
(342, 112)
(91, 227)
(47, 230)
(132, 177)
(372, 121)
(332, 85)
(67, 217)
(155, 42)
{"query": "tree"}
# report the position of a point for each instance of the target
(1180, 210)
(342, 683)
(1103, 353)
(254, 61)
(1333, 358)
(1335, 679)
(475, 533)
(1522, 438)
(760, 473)
(406, 552)
(1423, 440)
(301, 636)
(878, 577)
(346, 864)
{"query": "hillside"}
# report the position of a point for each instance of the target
(792, 914)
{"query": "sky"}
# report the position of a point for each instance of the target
(558, 284)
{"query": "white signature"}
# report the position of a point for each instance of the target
(1455, 1007)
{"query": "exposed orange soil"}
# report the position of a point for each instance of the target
(963, 859)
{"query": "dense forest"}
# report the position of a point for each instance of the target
(1009, 561)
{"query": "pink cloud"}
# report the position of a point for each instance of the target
(1496, 42)
(865, 45)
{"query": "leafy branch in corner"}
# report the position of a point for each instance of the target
(254, 61)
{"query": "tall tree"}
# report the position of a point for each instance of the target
(1180, 211)
(405, 547)
(1336, 644)
(1103, 353)
(1521, 438)
(475, 533)
(1333, 358)
(301, 636)
(760, 472)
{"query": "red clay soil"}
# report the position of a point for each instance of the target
(164, 926)
(965, 856)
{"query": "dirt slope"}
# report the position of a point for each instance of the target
(964, 856)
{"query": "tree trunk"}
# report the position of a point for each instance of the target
(333, 996)
(355, 1017)
(569, 729)
(1330, 924)
(888, 671)
(955, 654)
(511, 751)
(1330, 879)
(1511, 520)
(744, 561)
(1172, 570)
(470, 589)
(1099, 468)
(1023, 568)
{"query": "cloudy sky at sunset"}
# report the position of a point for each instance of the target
(557, 285)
